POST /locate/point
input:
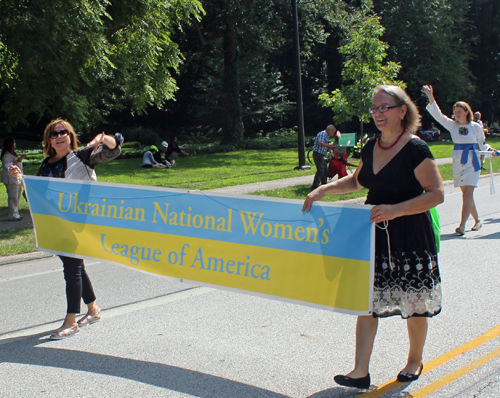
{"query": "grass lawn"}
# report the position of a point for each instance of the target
(208, 172)
(439, 150)
(17, 241)
(198, 172)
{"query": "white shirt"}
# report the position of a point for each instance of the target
(470, 133)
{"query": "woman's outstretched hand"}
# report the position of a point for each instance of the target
(107, 140)
(99, 138)
(429, 91)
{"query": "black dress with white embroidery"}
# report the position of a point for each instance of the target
(407, 280)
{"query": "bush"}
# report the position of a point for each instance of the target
(138, 140)
(356, 152)
(133, 144)
(283, 138)
(143, 136)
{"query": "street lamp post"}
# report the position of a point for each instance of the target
(298, 79)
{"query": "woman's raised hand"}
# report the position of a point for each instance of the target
(99, 138)
(429, 91)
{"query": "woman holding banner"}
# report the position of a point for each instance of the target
(404, 183)
(65, 160)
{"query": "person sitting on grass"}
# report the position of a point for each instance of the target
(162, 156)
(174, 150)
(148, 160)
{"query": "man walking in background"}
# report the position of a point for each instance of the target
(321, 146)
(477, 119)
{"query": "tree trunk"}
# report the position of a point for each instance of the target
(233, 124)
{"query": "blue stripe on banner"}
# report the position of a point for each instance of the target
(264, 223)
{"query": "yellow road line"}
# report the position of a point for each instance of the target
(434, 363)
(450, 378)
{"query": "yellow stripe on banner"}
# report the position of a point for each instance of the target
(436, 362)
(327, 281)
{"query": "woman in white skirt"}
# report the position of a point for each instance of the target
(466, 166)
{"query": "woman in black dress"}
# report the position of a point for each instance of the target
(404, 183)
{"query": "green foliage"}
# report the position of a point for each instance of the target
(363, 71)
(8, 62)
(431, 41)
(145, 136)
(485, 56)
(356, 150)
(266, 76)
(79, 59)
(131, 144)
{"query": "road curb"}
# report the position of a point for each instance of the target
(18, 258)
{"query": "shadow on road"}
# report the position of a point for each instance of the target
(31, 352)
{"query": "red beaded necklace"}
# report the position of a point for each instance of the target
(394, 143)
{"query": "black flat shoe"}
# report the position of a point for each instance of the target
(362, 382)
(408, 377)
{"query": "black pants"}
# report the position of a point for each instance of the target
(321, 176)
(78, 284)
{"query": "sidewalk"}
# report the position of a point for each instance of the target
(287, 182)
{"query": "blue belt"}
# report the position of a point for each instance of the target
(465, 148)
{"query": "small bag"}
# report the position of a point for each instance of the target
(310, 142)
(436, 226)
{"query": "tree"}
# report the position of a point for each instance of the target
(265, 66)
(432, 42)
(234, 22)
(363, 71)
(485, 47)
(79, 59)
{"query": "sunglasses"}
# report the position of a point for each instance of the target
(60, 133)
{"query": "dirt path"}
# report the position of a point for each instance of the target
(26, 222)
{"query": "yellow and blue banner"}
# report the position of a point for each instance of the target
(262, 246)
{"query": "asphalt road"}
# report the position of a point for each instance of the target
(162, 338)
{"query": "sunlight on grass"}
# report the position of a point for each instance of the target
(300, 192)
(207, 171)
(17, 241)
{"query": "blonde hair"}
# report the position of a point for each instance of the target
(47, 147)
(411, 120)
(466, 107)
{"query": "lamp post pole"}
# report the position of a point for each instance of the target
(298, 79)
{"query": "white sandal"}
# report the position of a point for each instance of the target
(90, 319)
(477, 226)
(62, 333)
